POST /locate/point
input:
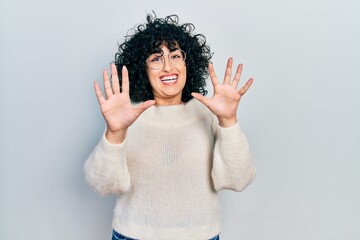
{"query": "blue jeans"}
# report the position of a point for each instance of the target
(118, 236)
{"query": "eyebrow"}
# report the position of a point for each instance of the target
(162, 52)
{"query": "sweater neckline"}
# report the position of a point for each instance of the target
(170, 115)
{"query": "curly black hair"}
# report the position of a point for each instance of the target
(147, 39)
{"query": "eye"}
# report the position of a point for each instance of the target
(176, 56)
(155, 58)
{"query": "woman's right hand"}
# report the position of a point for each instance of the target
(116, 107)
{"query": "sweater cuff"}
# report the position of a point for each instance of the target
(111, 147)
(229, 134)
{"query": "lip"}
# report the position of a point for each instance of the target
(169, 79)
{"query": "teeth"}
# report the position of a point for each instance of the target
(168, 78)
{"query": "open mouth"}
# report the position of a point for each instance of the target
(169, 80)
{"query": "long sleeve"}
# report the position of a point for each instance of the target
(232, 164)
(106, 168)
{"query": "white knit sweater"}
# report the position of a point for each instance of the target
(168, 171)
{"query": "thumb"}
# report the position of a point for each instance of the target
(145, 105)
(200, 97)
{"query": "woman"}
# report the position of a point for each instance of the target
(165, 154)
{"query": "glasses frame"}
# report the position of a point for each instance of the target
(163, 59)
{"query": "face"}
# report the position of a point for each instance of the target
(168, 79)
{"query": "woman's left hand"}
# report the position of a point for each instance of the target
(226, 98)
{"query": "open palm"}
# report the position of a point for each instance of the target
(226, 98)
(116, 106)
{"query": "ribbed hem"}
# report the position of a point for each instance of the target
(141, 232)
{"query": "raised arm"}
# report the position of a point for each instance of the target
(106, 169)
(233, 167)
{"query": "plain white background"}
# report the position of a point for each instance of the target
(301, 115)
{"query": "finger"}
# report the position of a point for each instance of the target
(115, 79)
(236, 80)
(107, 85)
(145, 105)
(200, 97)
(125, 80)
(212, 74)
(247, 85)
(98, 93)
(228, 71)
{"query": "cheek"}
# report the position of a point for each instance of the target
(183, 73)
(148, 73)
(150, 77)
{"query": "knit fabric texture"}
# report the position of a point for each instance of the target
(168, 172)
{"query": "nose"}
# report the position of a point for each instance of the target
(167, 65)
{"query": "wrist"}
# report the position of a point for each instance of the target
(227, 122)
(115, 137)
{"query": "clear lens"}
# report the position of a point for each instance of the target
(156, 61)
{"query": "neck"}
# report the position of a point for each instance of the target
(168, 102)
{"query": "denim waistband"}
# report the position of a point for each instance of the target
(118, 236)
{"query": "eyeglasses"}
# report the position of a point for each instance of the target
(156, 60)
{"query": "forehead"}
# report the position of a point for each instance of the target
(164, 47)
